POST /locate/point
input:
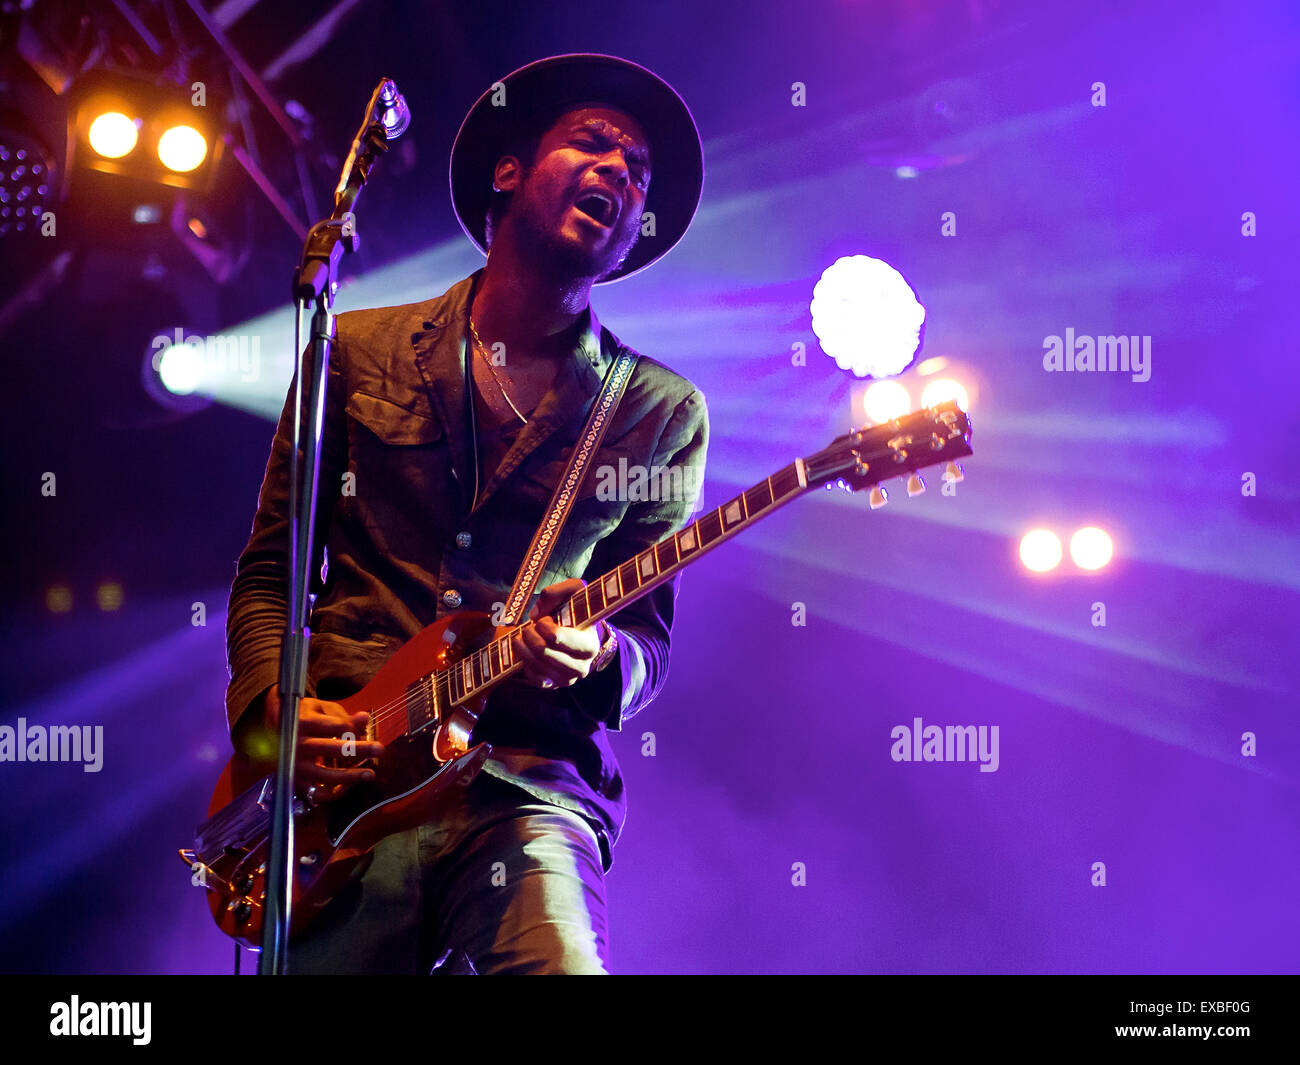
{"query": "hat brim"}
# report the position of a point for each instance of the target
(537, 91)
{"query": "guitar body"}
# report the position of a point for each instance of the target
(418, 777)
(425, 702)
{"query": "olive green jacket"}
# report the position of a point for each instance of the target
(402, 548)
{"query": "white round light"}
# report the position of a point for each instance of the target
(866, 316)
(1091, 548)
(180, 368)
(1040, 550)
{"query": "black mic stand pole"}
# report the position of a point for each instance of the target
(315, 282)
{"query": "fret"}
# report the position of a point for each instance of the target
(665, 553)
(758, 498)
(787, 479)
(581, 611)
(646, 562)
(494, 658)
(627, 576)
(710, 527)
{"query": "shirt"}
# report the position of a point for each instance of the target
(399, 546)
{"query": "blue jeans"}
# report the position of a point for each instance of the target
(515, 884)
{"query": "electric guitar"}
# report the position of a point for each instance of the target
(425, 701)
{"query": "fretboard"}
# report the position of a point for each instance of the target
(639, 575)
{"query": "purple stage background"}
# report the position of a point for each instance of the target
(771, 831)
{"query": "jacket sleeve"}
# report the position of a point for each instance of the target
(257, 612)
(632, 680)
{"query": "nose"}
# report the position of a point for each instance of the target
(614, 166)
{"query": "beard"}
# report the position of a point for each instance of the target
(538, 229)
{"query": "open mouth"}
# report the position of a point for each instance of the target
(598, 206)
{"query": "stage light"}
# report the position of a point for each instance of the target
(58, 599)
(108, 596)
(180, 368)
(136, 127)
(931, 365)
(884, 401)
(866, 316)
(182, 149)
(1091, 548)
(1040, 550)
(25, 181)
(943, 389)
(113, 134)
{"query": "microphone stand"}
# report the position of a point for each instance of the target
(315, 283)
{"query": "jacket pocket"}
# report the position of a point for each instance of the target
(391, 423)
(403, 488)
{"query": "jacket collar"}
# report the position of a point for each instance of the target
(440, 346)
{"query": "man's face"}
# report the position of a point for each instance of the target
(581, 202)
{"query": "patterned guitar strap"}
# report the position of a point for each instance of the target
(566, 490)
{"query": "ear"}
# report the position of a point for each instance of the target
(506, 175)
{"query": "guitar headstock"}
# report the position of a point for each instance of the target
(912, 442)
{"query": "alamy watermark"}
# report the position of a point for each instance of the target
(57, 743)
(76, 1018)
(631, 483)
(217, 356)
(946, 743)
(1103, 354)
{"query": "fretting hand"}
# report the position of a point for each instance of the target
(555, 655)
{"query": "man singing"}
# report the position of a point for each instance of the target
(447, 425)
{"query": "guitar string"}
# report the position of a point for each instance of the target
(442, 678)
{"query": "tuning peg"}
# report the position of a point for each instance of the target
(953, 472)
(915, 486)
(878, 497)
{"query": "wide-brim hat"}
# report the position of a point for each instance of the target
(538, 92)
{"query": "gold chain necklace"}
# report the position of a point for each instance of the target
(478, 345)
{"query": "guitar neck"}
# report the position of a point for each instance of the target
(636, 577)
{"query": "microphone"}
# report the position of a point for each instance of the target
(394, 115)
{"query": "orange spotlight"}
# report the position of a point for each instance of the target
(942, 389)
(182, 149)
(108, 596)
(113, 134)
(884, 401)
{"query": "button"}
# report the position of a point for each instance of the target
(463, 540)
(451, 598)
